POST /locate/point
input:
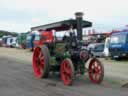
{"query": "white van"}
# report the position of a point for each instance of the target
(11, 42)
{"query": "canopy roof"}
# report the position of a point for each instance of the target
(61, 25)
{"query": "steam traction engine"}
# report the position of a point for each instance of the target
(66, 56)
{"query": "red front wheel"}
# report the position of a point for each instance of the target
(41, 58)
(67, 72)
(96, 71)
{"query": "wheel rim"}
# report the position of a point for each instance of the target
(38, 62)
(66, 72)
(96, 71)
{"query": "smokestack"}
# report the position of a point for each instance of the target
(79, 19)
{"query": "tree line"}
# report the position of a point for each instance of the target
(5, 33)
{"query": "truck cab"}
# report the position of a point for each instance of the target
(119, 44)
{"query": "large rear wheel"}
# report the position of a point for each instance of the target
(41, 65)
(67, 71)
(96, 71)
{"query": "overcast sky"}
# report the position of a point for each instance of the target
(20, 15)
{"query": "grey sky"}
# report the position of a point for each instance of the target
(20, 15)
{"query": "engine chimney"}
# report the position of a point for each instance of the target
(79, 19)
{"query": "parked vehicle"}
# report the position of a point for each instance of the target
(91, 46)
(17, 44)
(106, 48)
(96, 49)
(13, 43)
(0, 42)
(119, 44)
(6, 41)
(22, 40)
(9, 41)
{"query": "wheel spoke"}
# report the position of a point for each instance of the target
(42, 61)
(42, 58)
(68, 77)
(68, 70)
(37, 52)
(94, 76)
(92, 66)
(38, 70)
(99, 70)
(95, 64)
(65, 65)
(98, 76)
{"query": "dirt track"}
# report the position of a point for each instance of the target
(17, 79)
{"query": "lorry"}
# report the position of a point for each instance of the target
(118, 46)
